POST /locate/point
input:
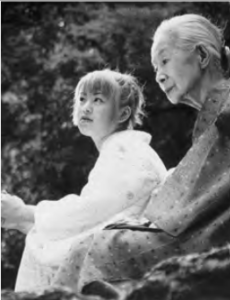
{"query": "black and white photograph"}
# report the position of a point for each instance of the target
(115, 131)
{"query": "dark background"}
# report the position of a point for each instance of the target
(46, 48)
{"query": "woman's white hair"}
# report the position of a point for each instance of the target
(190, 30)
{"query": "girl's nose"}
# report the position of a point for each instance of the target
(88, 107)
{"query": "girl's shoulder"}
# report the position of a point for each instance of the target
(127, 139)
(133, 147)
(128, 145)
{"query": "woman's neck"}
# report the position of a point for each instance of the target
(198, 95)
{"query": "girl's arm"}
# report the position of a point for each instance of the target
(15, 214)
(122, 177)
(28, 220)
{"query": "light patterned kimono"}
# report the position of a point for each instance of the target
(191, 210)
(119, 186)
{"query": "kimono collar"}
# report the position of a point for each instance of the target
(211, 108)
(128, 136)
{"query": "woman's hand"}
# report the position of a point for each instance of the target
(15, 214)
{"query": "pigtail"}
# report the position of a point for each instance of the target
(138, 100)
(131, 94)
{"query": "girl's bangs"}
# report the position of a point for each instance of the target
(98, 83)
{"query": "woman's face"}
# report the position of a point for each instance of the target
(97, 115)
(177, 72)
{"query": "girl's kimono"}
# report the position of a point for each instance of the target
(191, 209)
(119, 186)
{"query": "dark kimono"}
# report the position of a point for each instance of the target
(197, 196)
(191, 210)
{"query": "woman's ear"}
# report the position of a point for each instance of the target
(125, 113)
(203, 55)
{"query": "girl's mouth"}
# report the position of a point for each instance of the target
(86, 119)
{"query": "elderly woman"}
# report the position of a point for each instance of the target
(191, 210)
(192, 66)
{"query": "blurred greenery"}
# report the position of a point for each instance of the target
(46, 48)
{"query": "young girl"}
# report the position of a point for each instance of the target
(107, 105)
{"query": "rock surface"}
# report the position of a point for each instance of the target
(203, 276)
(193, 277)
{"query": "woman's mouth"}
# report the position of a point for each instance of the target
(167, 91)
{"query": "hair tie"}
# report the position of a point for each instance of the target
(225, 59)
(227, 51)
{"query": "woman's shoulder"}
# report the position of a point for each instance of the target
(221, 87)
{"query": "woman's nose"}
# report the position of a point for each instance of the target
(160, 77)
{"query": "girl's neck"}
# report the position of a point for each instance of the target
(99, 141)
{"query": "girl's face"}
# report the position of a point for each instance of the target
(97, 116)
(177, 72)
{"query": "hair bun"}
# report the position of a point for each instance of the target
(225, 60)
(227, 51)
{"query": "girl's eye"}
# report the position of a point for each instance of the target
(98, 100)
(81, 99)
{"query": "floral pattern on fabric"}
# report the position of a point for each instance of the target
(191, 210)
(58, 246)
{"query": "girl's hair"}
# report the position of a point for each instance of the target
(123, 88)
(190, 30)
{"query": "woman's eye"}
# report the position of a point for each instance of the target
(164, 61)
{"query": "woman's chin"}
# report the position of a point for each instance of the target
(191, 103)
(173, 99)
(183, 99)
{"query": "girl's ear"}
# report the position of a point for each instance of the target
(125, 113)
(203, 55)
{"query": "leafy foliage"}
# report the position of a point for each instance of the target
(46, 48)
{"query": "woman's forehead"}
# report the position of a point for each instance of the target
(163, 43)
(160, 49)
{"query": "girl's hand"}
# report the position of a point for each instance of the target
(15, 213)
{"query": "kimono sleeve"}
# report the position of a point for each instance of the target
(174, 207)
(199, 187)
(122, 177)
